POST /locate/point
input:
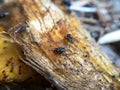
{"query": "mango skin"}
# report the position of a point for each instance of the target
(12, 69)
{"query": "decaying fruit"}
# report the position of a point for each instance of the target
(11, 67)
(81, 66)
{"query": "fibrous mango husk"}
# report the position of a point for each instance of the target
(81, 66)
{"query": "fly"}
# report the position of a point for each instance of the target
(70, 38)
(59, 50)
(3, 14)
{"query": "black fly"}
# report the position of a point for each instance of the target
(3, 14)
(59, 50)
(70, 38)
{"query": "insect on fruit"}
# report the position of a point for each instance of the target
(3, 14)
(59, 50)
(70, 38)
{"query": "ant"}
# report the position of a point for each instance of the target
(21, 29)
